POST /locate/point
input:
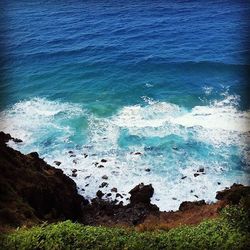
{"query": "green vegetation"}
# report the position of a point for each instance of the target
(230, 231)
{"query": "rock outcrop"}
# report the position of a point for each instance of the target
(33, 191)
(109, 213)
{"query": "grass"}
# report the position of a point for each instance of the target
(229, 231)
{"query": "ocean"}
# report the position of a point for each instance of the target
(139, 91)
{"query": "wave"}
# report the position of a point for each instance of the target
(170, 140)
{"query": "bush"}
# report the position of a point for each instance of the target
(221, 233)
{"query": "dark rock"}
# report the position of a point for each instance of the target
(35, 190)
(114, 189)
(196, 174)
(187, 205)
(99, 194)
(74, 170)
(183, 177)
(58, 163)
(201, 170)
(17, 140)
(147, 169)
(72, 155)
(100, 166)
(34, 155)
(174, 198)
(109, 194)
(85, 155)
(87, 185)
(104, 184)
(218, 183)
(118, 195)
(234, 194)
(137, 153)
(74, 174)
(105, 177)
(75, 161)
(141, 193)
(70, 152)
(103, 160)
(88, 176)
(196, 196)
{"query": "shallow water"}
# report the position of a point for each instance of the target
(166, 79)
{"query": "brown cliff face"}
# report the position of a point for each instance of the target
(32, 191)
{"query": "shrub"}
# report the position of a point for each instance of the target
(226, 232)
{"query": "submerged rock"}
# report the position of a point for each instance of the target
(58, 163)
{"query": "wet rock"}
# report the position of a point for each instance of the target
(174, 198)
(33, 155)
(191, 191)
(147, 169)
(100, 166)
(70, 152)
(183, 177)
(72, 156)
(201, 170)
(105, 177)
(104, 184)
(141, 194)
(88, 176)
(75, 161)
(103, 160)
(118, 195)
(99, 194)
(74, 174)
(174, 148)
(196, 196)
(108, 195)
(114, 189)
(58, 163)
(74, 170)
(87, 185)
(17, 140)
(196, 174)
(85, 155)
(218, 183)
(187, 205)
(137, 153)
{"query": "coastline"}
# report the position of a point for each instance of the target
(44, 193)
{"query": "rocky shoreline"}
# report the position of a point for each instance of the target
(31, 192)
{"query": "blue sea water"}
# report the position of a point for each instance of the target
(112, 79)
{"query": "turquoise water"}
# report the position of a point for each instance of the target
(166, 79)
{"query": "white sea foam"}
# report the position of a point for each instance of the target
(220, 125)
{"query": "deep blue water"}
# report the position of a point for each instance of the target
(167, 79)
